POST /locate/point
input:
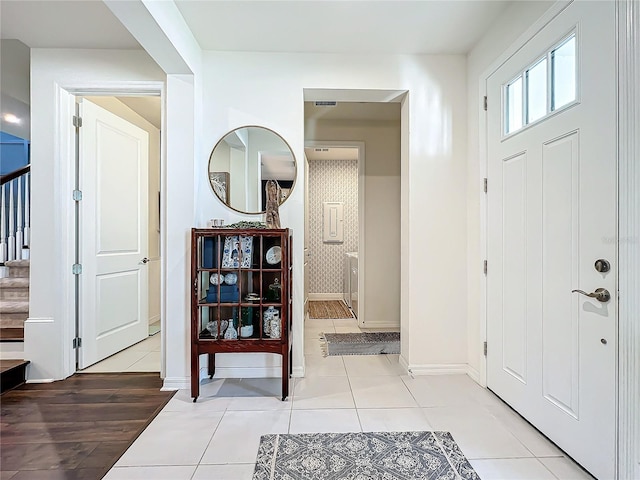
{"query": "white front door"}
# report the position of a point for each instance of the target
(551, 217)
(113, 234)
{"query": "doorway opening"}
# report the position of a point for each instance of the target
(352, 216)
(111, 343)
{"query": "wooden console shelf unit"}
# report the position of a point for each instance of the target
(240, 296)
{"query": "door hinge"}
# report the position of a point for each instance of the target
(485, 349)
(76, 269)
(484, 103)
(484, 184)
(77, 195)
(484, 268)
(77, 121)
(77, 342)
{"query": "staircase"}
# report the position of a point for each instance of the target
(15, 235)
(14, 310)
(14, 301)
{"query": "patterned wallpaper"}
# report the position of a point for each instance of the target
(331, 181)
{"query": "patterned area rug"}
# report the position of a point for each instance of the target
(360, 343)
(329, 309)
(366, 456)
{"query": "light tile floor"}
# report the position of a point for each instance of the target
(217, 437)
(144, 356)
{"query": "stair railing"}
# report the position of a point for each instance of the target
(15, 214)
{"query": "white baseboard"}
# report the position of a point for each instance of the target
(154, 319)
(438, 369)
(176, 383)
(325, 296)
(42, 380)
(474, 374)
(374, 325)
(403, 363)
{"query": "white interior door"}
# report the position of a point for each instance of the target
(113, 234)
(551, 216)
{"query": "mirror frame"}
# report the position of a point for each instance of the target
(262, 193)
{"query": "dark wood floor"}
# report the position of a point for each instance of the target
(75, 428)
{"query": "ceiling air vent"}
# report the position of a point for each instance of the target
(326, 103)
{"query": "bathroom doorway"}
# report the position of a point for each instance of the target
(333, 216)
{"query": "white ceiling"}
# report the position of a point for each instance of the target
(362, 26)
(63, 24)
(325, 26)
(344, 26)
(148, 108)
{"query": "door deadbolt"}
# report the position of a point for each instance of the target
(602, 265)
(600, 294)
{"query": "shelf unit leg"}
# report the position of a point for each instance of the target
(211, 364)
(195, 374)
(285, 375)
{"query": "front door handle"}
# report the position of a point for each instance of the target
(600, 294)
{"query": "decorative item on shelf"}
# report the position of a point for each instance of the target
(231, 332)
(228, 294)
(272, 214)
(275, 289)
(252, 297)
(246, 322)
(244, 225)
(274, 330)
(273, 255)
(216, 279)
(209, 259)
(267, 316)
(231, 278)
(237, 252)
(215, 223)
(212, 327)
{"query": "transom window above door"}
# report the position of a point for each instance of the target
(545, 86)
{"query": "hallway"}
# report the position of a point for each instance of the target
(219, 434)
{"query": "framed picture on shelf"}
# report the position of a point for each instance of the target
(237, 252)
(220, 183)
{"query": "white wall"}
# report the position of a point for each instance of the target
(118, 108)
(14, 86)
(45, 342)
(515, 20)
(268, 90)
(331, 181)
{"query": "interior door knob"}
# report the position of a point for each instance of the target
(145, 260)
(600, 294)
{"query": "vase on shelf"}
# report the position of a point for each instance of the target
(274, 330)
(267, 316)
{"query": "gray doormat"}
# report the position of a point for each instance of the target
(365, 343)
(354, 456)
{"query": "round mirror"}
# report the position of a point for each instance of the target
(241, 163)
